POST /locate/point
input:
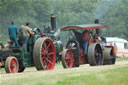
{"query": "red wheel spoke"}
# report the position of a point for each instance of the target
(67, 58)
(42, 53)
(48, 46)
(49, 61)
(51, 53)
(45, 61)
(45, 46)
(43, 58)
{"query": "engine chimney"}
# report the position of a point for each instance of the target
(53, 22)
(97, 22)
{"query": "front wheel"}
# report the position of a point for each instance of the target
(73, 45)
(67, 58)
(108, 56)
(11, 65)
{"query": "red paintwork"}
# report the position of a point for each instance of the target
(84, 27)
(69, 59)
(48, 54)
(43, 34)
(10, 42)
(85, 35)
(81, 52)
(96, 27)
(114, 49)
(91, 40)
(13, 66)
(82, 58)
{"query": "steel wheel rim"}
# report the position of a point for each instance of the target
(13, 66)
(69, 58)
(95, 54)
(98, 55)
(48, 55)
(73, 45)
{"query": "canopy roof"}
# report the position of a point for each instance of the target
(84, 27)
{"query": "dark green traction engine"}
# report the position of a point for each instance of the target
(43, 51)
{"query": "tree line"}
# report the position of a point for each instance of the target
(68, 12)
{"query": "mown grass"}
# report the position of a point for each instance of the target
(122, 59)
(84, 75)
(117, 76)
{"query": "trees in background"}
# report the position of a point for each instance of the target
(69, 12)
(117, 19)
(21, 11)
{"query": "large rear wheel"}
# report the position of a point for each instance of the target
(67, 58)
(95, 54)
(11, 65)
(44, 54)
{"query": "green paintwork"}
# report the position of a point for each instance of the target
(24, 54)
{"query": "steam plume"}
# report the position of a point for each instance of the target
(104, 6)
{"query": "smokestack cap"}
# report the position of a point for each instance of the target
(53, 15)
(96, 21)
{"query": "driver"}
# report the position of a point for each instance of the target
(85, 38)
(26, 34)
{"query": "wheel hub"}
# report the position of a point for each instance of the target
(46, 54)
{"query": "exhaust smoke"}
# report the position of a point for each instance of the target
(104, 6)
(57, 33)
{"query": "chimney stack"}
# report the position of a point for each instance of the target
(53, 22)
(97, 22)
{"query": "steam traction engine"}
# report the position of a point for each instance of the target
(42, 51)
(98, 53)
(64, 55)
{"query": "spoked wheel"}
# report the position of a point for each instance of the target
(67, 58)
(44, 54)
(108, 56)
(73, 45)
(95, 54)
(11, 65)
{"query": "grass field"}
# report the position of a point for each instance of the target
(84, 75)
